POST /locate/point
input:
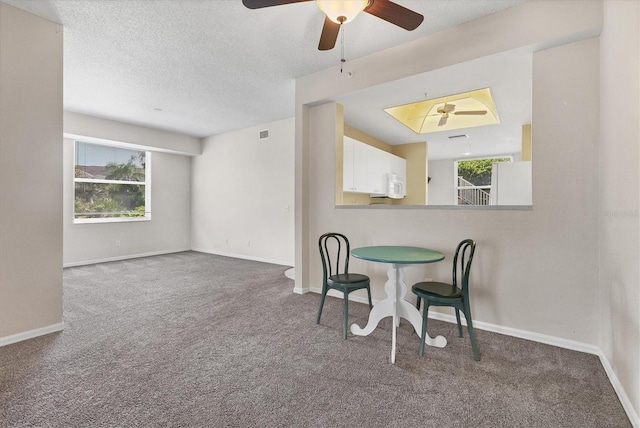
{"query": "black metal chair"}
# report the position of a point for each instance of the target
(455, 294)
(335, 250)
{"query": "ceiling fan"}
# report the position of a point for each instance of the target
(448, 109)
(339, 12)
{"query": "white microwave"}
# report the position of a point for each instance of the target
(396, 188)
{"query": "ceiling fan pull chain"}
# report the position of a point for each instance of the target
(342, 60)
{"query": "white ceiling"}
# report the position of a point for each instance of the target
(204, 67)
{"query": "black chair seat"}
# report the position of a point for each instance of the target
(437, 289)
(348, 279)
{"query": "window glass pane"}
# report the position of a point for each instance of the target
(477, 172)
(94, 161)
(99, 200)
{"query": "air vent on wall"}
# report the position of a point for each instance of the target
(264, 134)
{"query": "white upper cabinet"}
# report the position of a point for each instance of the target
(355, 166)
(377, 168)
(366, 168)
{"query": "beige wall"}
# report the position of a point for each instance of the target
(147, 138)
(360, 135)
(243, 194)
(30, 175)
(416, 155)
(619, 221)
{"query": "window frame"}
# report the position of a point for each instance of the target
(146, 183)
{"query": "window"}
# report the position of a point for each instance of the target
(473, 180)
(110, 184)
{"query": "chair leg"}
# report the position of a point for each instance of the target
(324, 293)
(459, 323)
(346, 315)
(369, 293)
(424, 328)
(472, 336)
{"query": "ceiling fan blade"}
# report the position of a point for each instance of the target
(395, 14)
(443, 120)
(329, 35)
(257, 4)
(472, 112)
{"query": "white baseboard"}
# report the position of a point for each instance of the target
(617, 386)
(119, 258)
(527, 335)
(522, 334)
(159, 253)
(242, 256)
(290, 273)
(15, 338)
(336, 293)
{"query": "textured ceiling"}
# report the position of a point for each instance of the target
(204, 67)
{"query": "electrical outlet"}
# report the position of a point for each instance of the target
(117, 243)
(248, 243)
(227, 243)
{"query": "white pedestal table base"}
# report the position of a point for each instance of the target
(395, 305)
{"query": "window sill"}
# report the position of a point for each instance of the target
(111, 220)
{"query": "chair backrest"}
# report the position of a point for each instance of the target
(464, 252)
(334, 250)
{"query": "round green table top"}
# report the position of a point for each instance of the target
(397, 254)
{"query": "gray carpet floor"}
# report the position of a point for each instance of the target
(198, 340)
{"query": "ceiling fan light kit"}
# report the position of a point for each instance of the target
(338, 12)
(342, 12)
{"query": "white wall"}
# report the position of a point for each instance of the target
(170, 227)
(619, 194)
(243, 194)
(30, 179)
